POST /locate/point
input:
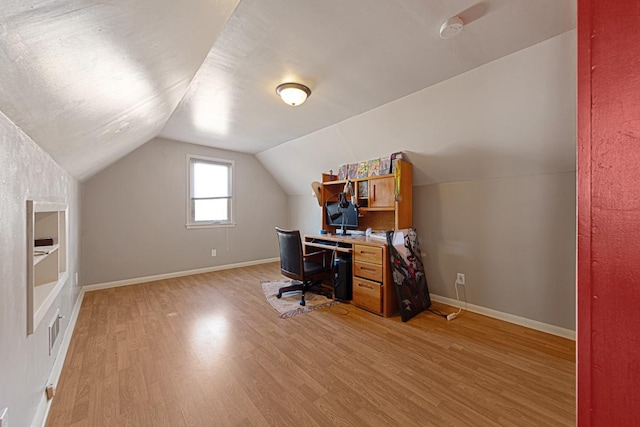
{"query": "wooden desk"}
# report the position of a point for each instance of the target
(373, 287)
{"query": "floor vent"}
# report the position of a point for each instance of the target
(54, 331)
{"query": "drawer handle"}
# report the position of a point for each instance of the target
(367, 252)
(368, 269)
(362, 285)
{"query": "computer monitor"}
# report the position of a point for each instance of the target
(343, 215)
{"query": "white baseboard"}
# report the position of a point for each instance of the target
(44, 405)
(137, 280)
(511, 318)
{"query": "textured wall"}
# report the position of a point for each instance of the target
(27, 172)
(134, 215)
(608, 213)
(514, 239)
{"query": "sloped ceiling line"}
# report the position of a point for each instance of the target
(91, 82)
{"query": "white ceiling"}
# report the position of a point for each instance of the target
(92, 81)
(512, 117)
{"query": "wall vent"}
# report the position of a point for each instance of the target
(54, 331)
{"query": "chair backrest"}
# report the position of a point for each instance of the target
(291, 261)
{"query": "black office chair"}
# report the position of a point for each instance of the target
(297, 266)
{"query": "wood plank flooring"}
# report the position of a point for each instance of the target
(209, 350)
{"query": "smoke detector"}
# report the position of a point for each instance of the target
(451, 27)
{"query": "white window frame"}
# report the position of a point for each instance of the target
(191, 223)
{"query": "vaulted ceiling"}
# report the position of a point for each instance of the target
(91, 81)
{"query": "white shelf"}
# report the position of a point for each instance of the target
(46, 265)
(37, 257)
(44, 295)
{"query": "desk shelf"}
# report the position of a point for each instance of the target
(365, 210)
(386, 201)
(329, 246)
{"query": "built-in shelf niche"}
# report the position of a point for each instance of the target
(47, 269)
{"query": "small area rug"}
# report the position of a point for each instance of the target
(289, 304)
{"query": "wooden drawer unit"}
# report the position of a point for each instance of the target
(372, 284)
(372, 254)
(367, 294)
(369, 277)
(368, 271)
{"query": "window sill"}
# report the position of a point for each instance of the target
(196, 226)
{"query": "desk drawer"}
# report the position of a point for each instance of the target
(368, 253)
(367, 294)
(368, 271)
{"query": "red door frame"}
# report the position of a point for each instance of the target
(608, 292)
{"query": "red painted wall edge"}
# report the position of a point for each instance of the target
(608, 291)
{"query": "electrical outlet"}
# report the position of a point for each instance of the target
(213, 252)
(460, 279)
(4, 417)
(77, 279)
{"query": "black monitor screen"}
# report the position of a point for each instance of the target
(341, 217)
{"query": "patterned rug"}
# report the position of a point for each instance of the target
(289, 304)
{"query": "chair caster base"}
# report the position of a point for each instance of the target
(278, 296)
(302, 303)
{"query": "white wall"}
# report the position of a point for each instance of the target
(513, 116)
(514, 239)
(27, 172)
(134, 215)
(494, 177)
(306, 214)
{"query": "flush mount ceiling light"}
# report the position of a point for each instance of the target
(451, 27)
(293, 94)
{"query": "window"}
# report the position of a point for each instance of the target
(210, 192)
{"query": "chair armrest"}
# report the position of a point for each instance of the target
(311, 255)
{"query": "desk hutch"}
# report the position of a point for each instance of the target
(386, 203)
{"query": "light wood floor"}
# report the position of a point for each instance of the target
(208, 350)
